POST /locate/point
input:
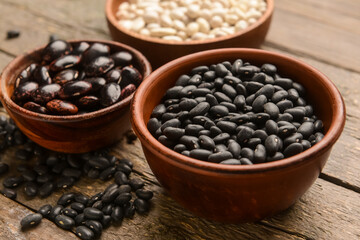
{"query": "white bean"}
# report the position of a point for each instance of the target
(204, 25)
(172, 38)
(138, 24)
(192, 28)
(216, 21)
(161, 32)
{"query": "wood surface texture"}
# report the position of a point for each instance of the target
(324, 34)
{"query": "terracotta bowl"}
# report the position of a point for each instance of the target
(70, 134)
(159, 51)
(238, 193)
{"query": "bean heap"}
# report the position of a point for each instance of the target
(235, 114)
(76, 79)
(85, 215)
(187, 20)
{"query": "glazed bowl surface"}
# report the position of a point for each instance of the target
(238, 193)
(160, 51)
(75, 133)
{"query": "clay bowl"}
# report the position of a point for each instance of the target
(159, 51)
(238, 193)
(70, 134)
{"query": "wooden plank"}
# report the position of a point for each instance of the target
(10, 217)
(4, 60)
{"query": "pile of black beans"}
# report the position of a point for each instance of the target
(236, 113)
(85, 215)
(76, 79)
(88, 216)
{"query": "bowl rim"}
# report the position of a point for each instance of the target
(114, 22)
(333, 133)
(7, 73)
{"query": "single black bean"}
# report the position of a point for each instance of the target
(245, 134)
(117, 214)
(220, 148)
(129, 210)
(221, 70)
(30, 220)
(173, 93)
(247, 153)
(179, 148)
(285, 105)
(221, 97)
(293, 149)
(199, 70)
(77, 206)
(221, 138)
(285, 117)
(220, 156)
(182, 80)
(66, 199)
(206, 142)
(219, 111)
(110, 94)
(121, 178)
(171, 123)
(136, 183)
(248, 71)
(141, 205)
(99, 162)
(306, 129)
(299, 88)
(200, 154)
(95, 226)
(285, 83)
(190, 142)
(45, 210)
(187, 91)
(259, 154)
(110, 195)
(279, 96)
(125, 168)
(294, 138)
(269, 69)
(106, 221)
(31, 189)
(65, 182)
(166, 141)
(192, 130)
(64, 222)
(46, 189)
(297, 113)
(272, 110)
(253, 142)
(229, 91)
(241, 89)
(235, 69)
(195, 79)
(209, 76)
(93, 213)
(318, 126)
(84, 233)
(9, 193)
(200, 109)
(275, 157)
(80, 219)
(253, 87)
(144, 194)
(12, 182)
(123, 198)
(272, 144)
(271, 127)
(231, 162)
(258, 103)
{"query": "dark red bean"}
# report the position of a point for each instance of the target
(127, 91)
(64, 62)
(80, 48)
(66, 76)
(110, 94)
(46, 93)
(99, 66)
(55, 49)
(122, 58)
(35, 107)
(94, 51)
(24, 91)
(61, 107)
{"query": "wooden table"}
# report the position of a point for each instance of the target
(325, 34)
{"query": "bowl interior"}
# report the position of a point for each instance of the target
(321, 94)
(11, 72)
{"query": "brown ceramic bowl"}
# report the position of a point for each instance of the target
(159, 51)
(238, 193)
(70, 134)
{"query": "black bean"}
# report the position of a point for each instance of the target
(279, 96)
(306, 129)
(64, 222)
(285, 105)
(277, 156)
(199, 70)
(253, 87)
(45, 210)
(293, 149)
(78, 206)
(247, 153)
(231, 80)
(9, 193)
(106, 221)
(200, 109)
(299, 88)
(141, 206)
(4, 168)
(306, 144)
(179, 148)
(195, 80)
(99, 162)
(229, 91)
(318, 138)
(95, 226)
(220, 148)
(12, 182)
(46, 189)
(258, 103)
(121, 178)
(285, 83)
(221, 138)
(241, 89)
(65, 182)
(231, 162)
(221, 70)
(123, 198)
(220, 156)
(192, 130)
(285, 117)
(30, 220)
(269, 69)
(248, 71)
(69, 212)
(253, 142)
(206, 142)
(219, 111)
(297, 113)
(259, 154)
(272, 144)
(318, 125)
(234, 148)
(158, 111)
(271, 127)
(30, 189)
(117, 214)
(230, 106)
(171, 123)
(190, 142)
(221, 97)
(84, 233)
(80, 219)
(93, 213)
(187, 91)
(144, 194)
(294, 138)
(110, 195)
(136, 183)
(200, 154)
(66, 199)
(244, 134)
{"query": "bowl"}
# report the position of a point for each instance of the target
(160, 51)
(238, 193)
(70, 134)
